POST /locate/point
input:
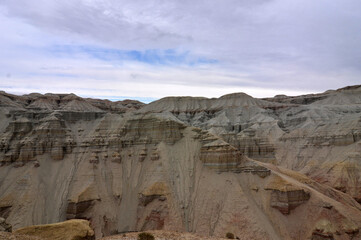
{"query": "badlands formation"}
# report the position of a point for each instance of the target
(275, 168)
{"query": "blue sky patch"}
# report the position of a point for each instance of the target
(121, 98)
(149, 56)
(141, 99)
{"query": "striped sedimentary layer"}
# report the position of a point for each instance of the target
(220, 155)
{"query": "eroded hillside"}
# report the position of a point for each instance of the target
(280, 168)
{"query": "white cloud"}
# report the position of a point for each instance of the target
(262, 47)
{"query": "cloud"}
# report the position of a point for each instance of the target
(157, 48)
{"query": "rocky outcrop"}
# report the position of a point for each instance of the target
(68, 230)
(285, 196)
(323, 230)
(220, 155)
(251, 145)
(25, 139)
(287, 200)
(152, 130)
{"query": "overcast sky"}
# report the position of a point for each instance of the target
(150, 49)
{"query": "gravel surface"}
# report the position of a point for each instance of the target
(12, 236)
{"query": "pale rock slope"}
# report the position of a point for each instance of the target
(280, 168)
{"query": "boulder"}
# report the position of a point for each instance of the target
(75, 229)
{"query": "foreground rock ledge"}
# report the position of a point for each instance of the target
(160, 234)
(75, 229)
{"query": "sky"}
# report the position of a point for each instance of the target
(149, 49)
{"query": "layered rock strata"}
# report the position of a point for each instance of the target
(185, 164)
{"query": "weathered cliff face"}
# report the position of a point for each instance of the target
(317, 134)
(185, 164)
